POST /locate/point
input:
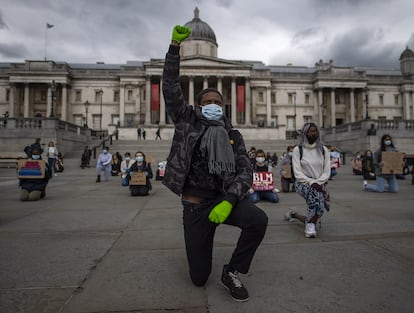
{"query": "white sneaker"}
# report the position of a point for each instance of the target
(365, 184)
(288, 216)
(310, 231)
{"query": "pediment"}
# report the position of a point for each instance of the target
(212, 62)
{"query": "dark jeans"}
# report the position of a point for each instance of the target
(199, 236)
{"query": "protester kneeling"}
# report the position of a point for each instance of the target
(140, 175)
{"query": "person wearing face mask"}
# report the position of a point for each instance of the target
(261, 165)
(287, 179)
(125, 167)
(104, 164)
(209, 169)
(368, 166)
(384, 182)
(33, 189)
(140, 165)
(312, 169)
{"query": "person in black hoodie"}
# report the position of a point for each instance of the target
(33, 189)
(209, 169)
(140, 165)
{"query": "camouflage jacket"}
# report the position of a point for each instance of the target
(188, 130)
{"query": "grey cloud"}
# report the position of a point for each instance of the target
(365, 47)
(2, 22)
(13, 50)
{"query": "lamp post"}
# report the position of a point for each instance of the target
(366, 103)
(86, 112)
(100, 122)
(53, 90)
(294, 110)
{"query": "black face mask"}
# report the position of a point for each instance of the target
(312, 139)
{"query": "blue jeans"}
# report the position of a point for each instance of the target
(264, 195)
(384, 183)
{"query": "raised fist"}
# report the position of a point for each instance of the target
(180, 33)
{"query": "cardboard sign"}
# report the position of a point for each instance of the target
(138, 178)
(263, 181)
(392, 162)
(31, 169)
(288, 171)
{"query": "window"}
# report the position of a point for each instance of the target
(381, 99)
(307, 99)
(261, 98)
(43, 95)
(273, 97)
(78, 95)
(98, 96)
(115, 119)
(307, 119)
(116, 95)
(396, 99)
(7, 94)
(78, 119)
(290, 123)
(130, 95)
(382, 118)
(274, 122)
(290, 97)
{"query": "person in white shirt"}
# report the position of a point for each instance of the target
(312, 169)
(52, 154)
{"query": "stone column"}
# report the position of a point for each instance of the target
(122, 104)
(321, 107)
(333, 107)
(148, 101)
(352, 105)
(191, 90)
(26, 100)
(11, 100)
(406, 105)
(205, 82)
(64, 113)
(248, 104)
(48, 100)
(162, 105)
(220, 84)
(254, 103)
(269, 107)
(138, 102)
(233, 102)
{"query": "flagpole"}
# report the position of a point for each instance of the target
(46, 42)
(47, 27)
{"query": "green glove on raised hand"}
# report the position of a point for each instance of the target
(220, 212)
(180, 33)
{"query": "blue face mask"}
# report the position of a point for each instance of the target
(35, 157)
(387, 142)
(139, 158)
(212, 111)
(290, 154)
(105, 151)
(127, 158)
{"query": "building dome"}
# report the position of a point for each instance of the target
(407, 53)
(200, 30)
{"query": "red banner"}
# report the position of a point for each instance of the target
(263, 181)
(240, 98)
(155, 97)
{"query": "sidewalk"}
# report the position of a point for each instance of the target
(91, 247)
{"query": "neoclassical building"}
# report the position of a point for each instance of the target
(255, 95)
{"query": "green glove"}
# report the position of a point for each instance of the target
(180, 33)
(220, 212)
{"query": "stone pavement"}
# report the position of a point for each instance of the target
(91, 247)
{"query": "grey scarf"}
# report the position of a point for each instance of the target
(216, 144)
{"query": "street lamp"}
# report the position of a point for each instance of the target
(86, 111)
(294, 116)
(100, 122)
(53, 89)
(366, 103)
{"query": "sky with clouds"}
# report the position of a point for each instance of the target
(299, 32)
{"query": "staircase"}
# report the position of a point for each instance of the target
(158, 150)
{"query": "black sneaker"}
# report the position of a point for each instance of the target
(98, 179)
(232, 283)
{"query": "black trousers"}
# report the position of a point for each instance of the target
(199, 236)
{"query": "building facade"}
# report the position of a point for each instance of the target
(255, 95)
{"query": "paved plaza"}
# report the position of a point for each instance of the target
(90, 248)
